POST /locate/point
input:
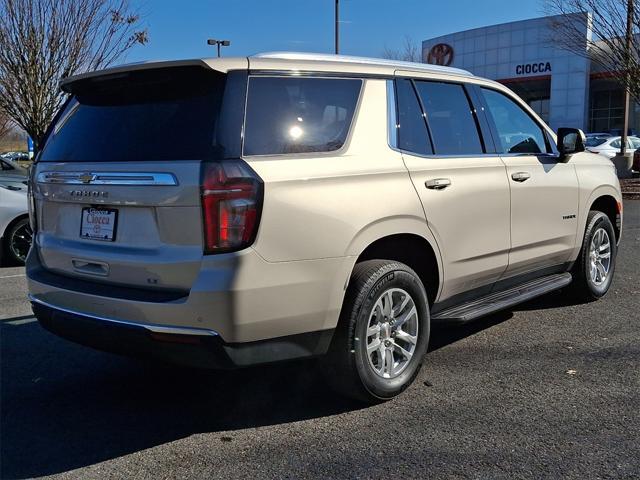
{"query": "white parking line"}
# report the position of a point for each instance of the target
(14, 276)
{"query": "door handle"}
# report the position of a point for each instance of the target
(437, 183)
(520, 176)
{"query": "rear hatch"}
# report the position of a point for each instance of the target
(118, 182)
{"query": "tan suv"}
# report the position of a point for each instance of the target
(238, 211)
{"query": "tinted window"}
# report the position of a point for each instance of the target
(617, 143)
(412, 134)
(297, 115)
(166, 114)
(450, 118)
(517, 131)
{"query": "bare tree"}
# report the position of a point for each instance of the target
(607, 46)
(409, 52)
(42, 41)
(5, 124)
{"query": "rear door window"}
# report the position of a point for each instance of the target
(412, 133)
(161, 114)
(299, 115)
(450, 117)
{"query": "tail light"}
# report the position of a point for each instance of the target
(231, 203)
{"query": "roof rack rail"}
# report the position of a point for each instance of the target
(325, 57)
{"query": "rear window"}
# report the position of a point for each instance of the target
(298, 115)
(161, 114)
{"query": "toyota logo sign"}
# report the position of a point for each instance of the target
(440, 54)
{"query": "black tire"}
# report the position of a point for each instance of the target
(11, 253)
(347, 366)
(583, 287)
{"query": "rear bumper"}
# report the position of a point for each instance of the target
(190, 347)
(241, 310)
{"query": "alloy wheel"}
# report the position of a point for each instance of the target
(392, 333)
(20, 241)
(600, 257)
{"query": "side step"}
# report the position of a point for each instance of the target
(505, 299)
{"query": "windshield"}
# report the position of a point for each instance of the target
(161, 114)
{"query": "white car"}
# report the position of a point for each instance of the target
(15, 230)
(610, 146)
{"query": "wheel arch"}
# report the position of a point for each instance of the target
(611, 207)
(414, 251)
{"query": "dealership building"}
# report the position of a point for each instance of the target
(565, 89)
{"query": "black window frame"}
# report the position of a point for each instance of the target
(481, 123)
(550, 144)
(307, 74)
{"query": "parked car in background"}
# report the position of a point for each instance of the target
(595, 139)
(610, 146)
(9, 166)
(15, 230)
(230, 212)
(15, 156)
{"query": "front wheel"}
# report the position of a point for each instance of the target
(593, 270)
(383, 332)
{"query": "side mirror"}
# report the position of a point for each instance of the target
(570, 141)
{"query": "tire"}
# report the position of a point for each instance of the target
(17, 237)
(386, 371)
(586, 286)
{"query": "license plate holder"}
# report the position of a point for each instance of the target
(99, 224)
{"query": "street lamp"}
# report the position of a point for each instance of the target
(218, 43)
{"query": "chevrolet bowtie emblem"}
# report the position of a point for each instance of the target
(87, 177)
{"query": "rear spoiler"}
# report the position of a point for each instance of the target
(222, 65)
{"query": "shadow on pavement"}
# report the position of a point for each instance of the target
(66, 407)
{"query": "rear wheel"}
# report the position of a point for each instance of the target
(593, 271)
(383, 332)
(18, 241)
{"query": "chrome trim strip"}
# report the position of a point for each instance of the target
(108, 178)
(149, 326)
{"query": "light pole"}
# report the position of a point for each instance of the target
(218, 43)
(337, 25)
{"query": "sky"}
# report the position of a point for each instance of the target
(180, 28)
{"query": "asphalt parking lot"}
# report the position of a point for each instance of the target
(549, 390)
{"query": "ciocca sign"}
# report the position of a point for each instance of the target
(533, 68)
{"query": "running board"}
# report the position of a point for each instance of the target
(505, 299)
